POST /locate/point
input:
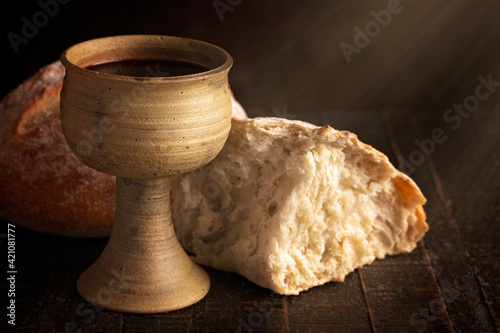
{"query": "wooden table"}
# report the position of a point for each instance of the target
(450, 281)
(287, 54)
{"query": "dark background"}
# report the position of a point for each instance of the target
(288, 63)
(287, 53)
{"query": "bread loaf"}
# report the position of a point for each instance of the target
(44, 186)
(286, 204)
(290, 205)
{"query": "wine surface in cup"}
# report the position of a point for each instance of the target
(148, 67)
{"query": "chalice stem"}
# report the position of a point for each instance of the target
(143, 222)
(143, 268)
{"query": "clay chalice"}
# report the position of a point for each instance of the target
(144, 108)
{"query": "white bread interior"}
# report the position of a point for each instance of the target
(290, 205)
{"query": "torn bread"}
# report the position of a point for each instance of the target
(291, 206)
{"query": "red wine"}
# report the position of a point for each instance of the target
(148, 67)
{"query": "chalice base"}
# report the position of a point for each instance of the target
(143, 268)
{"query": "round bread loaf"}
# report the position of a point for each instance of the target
(44, 186)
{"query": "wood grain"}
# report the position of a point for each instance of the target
(444, 242)
(447, 283)
(389, 283)
(287, 57)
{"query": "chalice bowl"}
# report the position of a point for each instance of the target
(144, 108)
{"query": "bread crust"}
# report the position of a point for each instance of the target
(45, 187)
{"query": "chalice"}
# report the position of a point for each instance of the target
(144, 108)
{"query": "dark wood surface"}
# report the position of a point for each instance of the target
(288, 63)
(450, 281)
